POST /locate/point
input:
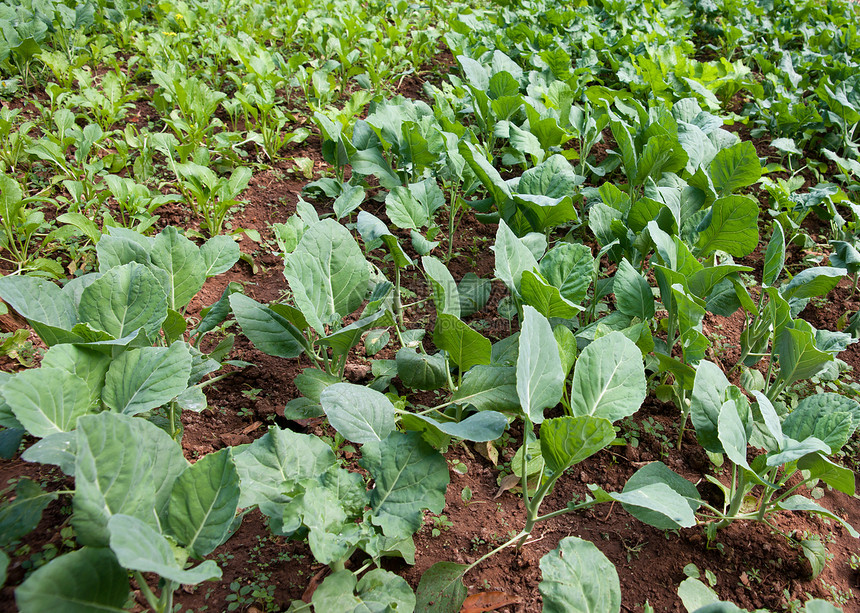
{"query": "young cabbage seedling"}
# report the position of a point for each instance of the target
(726, 423)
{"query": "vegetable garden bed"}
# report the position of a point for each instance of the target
(383, 306)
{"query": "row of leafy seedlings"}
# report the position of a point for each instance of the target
(679, 216)
(120, 111)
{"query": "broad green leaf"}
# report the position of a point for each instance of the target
(337, 593)
(410, 476)
(203, 502)
(311, 382)
(404, 210)
(123, 300)
(540, 380)
(465, 346)
(609, 379)
(703, 281)
(769, 417)
(578, 578)
(644, 210)
(632, 292)
(786, 145)
(793, 450)
(554, 178)
(834, 475)
(735, 167)
(428, 194)
(138, 547)
(74, 287)
(7, 417)
(11, 198)
(627, 149)
(378, 590)
(565, 441)
(479, 427)
(327, 273)
(348, 201)
(58, 449)
(475, 73)
(275, 462)
(441, 588)
(657, 500)
(697, 145)
(82, 581)
(709, 390)
(219, 254)
(122, 465)
(474, 293)
(46, 400)
(143, 379)
(812, 282)
(546, 298)
(824, 416)
(21, 516)
(658, 473)
(421, 371)
(567, 348)
(662, 153)
(174, 326)
(501, 85)
(732, 227)
(820, 606)
(774, 257)
(544, 213)
(181, 260)
(568, 267)
(382, 590)
(694, 594)
(733, 435)
(689, 309)
(349, 336)
(844, 255)
(489, 388)
(114, 250)
(359, 413)
(512, 258)
(604, 221)
(270, 332)
(445, 293)
(525, 143)
(371, 162)
(486, 173)
(798, 356)
(38, 300)
(801, 503)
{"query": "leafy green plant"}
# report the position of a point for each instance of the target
(21, 225)
(211, 196)
(194, 119)
(329, 279)
(14, 138)
(700, 598)
(297, 482)
(137, 204)
(115, 336)
(138, 506)
(818, 427)
(601, 393)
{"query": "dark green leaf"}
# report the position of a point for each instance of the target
(578, 578)
(83, 581)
